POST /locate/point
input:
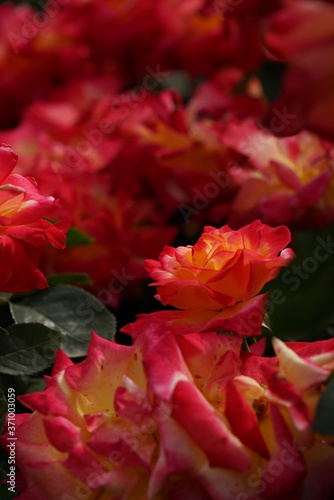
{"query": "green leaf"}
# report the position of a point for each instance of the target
(27, 348)
(301, 302)
(22, 384)
(76, 238)
(69, 279)
(3, 411)
(324, 417)
(70, 310)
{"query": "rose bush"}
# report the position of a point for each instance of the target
(149, 120)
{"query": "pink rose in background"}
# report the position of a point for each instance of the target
(302, 35)
(284, 180)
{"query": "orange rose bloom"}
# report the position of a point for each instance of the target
(223, 268)
(216, 282)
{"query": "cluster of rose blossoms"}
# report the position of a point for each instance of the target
(184, 412)
(90, 108)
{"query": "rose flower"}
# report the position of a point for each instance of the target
(177, 417)
(216, 282)
(22, 229)
(285, 180)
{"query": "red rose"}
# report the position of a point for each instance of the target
(22, 229)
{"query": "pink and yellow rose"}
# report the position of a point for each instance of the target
(284, 180)
(269, 407)
(178, 417)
